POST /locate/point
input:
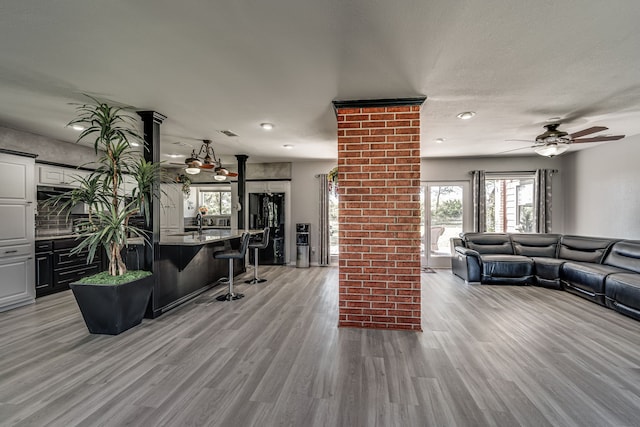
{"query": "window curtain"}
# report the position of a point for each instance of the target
(479, 198)
(543, 200)
(324, 253)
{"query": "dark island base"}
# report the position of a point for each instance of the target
(183, 272)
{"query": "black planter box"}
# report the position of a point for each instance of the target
(112, 309)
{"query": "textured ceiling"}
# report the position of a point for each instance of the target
(214, 65)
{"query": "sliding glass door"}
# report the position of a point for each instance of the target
(446, 214)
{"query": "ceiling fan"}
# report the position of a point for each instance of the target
(206, 160)
(553, 141)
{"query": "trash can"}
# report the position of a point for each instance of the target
(302, 245)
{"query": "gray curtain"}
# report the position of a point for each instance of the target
(543, 200)
(324, 253)
(479, 199)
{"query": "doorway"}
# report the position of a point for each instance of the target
(446, 214)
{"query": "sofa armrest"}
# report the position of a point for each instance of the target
(466, 264)
(455, 241)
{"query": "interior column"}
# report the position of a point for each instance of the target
(379, 213)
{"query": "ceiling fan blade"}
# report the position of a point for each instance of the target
(516, 149)
(232, 174)
(583, 132)
(207, 166)
(599, 139)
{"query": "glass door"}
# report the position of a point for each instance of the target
(447, 214)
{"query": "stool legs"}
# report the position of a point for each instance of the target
(255, 279)
(229, 296)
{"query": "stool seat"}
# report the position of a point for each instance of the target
(232, 254)
(256, 245)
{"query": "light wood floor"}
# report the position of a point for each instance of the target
(488, 356)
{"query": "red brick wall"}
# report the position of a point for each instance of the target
(379, 217)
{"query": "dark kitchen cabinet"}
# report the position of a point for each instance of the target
(44, 268)
(56, 266)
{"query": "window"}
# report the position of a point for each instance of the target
(334, 244)
(217, 202)
(509, 203)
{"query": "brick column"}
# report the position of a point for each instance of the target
(379, 213)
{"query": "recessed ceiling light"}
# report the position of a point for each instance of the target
(288, 146)
(267, 126)
(135, 144)
(174, 156)
(439, 140)
(466, 115)
(77, 127)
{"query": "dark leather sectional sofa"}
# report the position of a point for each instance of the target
(605, 271)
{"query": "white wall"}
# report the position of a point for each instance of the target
(305, 201)
(457, 169)
(602, 189)
(47, 149)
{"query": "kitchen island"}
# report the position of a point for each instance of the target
(186, 266)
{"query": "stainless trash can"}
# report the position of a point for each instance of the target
(302, 245)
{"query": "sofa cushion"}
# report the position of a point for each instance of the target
(585, 249)
(514, 269)
(622, 293)
(536, 245)
(547, 271)
(625, 254)
(489, 243)
(587, 279)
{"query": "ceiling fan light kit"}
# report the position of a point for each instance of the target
(551, 149)
(192, 170)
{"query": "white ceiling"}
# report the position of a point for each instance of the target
(215, 65)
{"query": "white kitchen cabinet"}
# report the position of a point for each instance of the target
(171, 210)
(17, 281)
(17, 231)
(17, 200)
(129, 184)
(268, 187)
(59, 176)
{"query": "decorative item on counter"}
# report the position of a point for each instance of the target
(186, 184)
(203, 210)
(332, 177)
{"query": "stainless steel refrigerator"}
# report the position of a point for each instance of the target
(267, 209)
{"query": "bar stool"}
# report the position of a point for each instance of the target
(232, 254)
(256, 245)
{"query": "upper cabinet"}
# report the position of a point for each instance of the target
(171, 218)
(59, 176)
(16, 175)
(268, 187)
(129, 184)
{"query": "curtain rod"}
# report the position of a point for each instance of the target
(515, 172)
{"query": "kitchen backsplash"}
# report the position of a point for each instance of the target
(209, 220)
(50, 220)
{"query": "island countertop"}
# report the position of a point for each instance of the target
(192, 238)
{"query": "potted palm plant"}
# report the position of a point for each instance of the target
(114, 300)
